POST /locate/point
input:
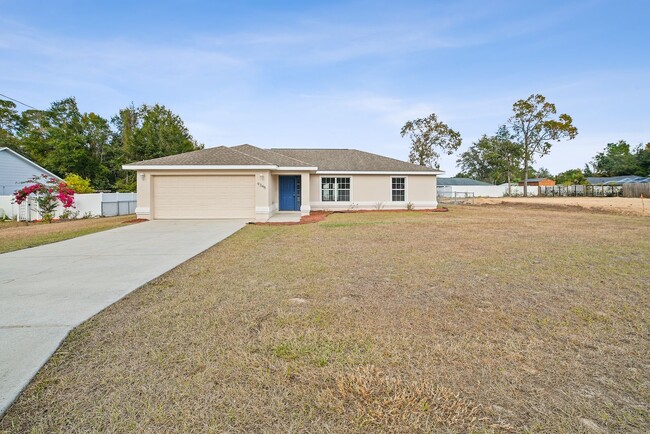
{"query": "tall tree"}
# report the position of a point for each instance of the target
(149, 132)
(535, 127)
(642, 154)
(162, 133)
(9, 119)
(617, 159)
(495, 159)
(427, 136)
(32, 134)
(66, 141)
(63, 140)
(571, 177)
(69, 153)
(542, 172)
(96, 133)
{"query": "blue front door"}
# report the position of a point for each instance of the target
(289, 193)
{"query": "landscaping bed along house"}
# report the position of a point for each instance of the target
(480, 319)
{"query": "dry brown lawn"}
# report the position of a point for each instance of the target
(481, 319)
(20, 235)
(616, 205)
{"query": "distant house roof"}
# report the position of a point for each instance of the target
(616, 180)
(536, 179)
(460, 181)
(322, 160)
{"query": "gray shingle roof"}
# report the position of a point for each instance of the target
(616, 180)
(219, 156)
(460, 181)
(351, 160)
(341, 160)
(270, 156)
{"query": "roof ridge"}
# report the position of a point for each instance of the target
(395, 159)
(287, 156)
(312, 149)
(232, 148)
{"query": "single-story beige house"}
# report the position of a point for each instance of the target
(252, 183)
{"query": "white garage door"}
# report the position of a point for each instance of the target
(203, 197)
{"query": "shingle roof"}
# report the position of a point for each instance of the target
(351, 160)
(219, 156)
(460, 181)
(616, 180)
(341, 160)
(270, 156)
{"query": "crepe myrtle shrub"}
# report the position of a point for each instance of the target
(49, 192)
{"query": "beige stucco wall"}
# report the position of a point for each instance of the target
(264, 188)
(374, 191)
(367, 191)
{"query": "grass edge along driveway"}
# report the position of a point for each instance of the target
(21, 235)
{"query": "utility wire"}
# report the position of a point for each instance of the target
(19, 102)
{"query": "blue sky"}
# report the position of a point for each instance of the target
(339, 74)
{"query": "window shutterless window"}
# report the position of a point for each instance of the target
(398, 189)
(328, 189)
(335, 189)
(343, 189)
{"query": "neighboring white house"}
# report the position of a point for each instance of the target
(253, 183)
(14, 169)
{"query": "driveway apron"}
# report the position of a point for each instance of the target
(46, 291)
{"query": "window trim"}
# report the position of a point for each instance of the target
(406, 199)
(336, 189)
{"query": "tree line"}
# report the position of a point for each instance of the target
(67, 142)
(508, 155)
(87, 147)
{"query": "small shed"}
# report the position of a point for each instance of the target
(539, 182)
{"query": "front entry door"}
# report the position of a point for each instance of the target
(289, 193)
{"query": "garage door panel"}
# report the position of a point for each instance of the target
(204, 197)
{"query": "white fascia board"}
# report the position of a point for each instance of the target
(367, 172)
(197, 167)
(302, 169)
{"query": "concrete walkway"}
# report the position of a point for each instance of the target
(285, 217)
(46, 291)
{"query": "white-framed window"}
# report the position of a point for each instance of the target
(335, 189)
(398, 189)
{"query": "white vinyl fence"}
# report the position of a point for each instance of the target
(455, 191)
(85, 205)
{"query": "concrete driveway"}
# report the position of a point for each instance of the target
(46, 291)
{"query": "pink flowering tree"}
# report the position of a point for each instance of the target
(49, 192)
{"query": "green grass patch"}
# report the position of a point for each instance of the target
(17, 236)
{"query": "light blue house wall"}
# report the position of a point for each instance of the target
(15, 169)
